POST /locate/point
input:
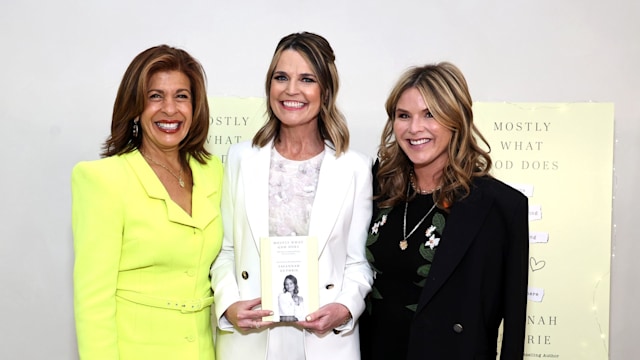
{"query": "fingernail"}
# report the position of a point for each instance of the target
(308, 318)
(270, 312)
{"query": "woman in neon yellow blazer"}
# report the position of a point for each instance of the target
(146, 219)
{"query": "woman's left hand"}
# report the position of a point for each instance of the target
(326, 318)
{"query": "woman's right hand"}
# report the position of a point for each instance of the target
(244, 318)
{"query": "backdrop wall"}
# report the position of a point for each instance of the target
(62, 62)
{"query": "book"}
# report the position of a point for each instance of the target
(289, 276)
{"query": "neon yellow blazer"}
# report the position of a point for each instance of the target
(141, 274)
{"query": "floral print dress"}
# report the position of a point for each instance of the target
(399, 274)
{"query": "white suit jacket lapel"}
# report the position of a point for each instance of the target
(333, 183)
(254, 172)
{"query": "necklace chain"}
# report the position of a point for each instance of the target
(416, 187)
(403, 243)
(179, 176)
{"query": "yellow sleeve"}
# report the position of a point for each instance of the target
(97, 221)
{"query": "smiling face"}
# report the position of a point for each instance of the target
(168, 111)
(289, 285)
(423, 139)
(294, 95)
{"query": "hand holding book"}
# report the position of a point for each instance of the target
(328, 317)
(244, 318)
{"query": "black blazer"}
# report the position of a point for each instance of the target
(477, 279)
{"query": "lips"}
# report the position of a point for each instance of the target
(168, 126)
(293, 104)
(419, 141)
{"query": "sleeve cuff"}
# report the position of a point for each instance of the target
(224, 324)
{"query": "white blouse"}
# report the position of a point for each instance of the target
(292, 189)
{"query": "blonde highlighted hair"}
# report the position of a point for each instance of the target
(445, 91)
(318, 53)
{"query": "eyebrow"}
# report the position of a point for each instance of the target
(162, 91)
(403, 110)
(281, 72)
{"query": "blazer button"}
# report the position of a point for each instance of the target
(245, 275)
(329, 287)
(457, 328)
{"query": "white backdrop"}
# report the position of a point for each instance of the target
(62, 62)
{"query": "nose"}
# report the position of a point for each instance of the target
(169, 106)
(415, 124)
(292, 87)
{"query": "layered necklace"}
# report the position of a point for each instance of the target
(178, 177)
(416, 187)
(403, 243)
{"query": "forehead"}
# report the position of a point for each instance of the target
(293, 61)
(169, 78)
(412, 99)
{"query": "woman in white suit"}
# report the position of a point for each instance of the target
(297, 177)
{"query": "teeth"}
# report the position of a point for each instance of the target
(419, 142)
(293, 104)
(168, 126)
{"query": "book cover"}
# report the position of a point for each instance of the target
(289, 267)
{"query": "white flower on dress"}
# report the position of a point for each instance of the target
(432, 242)
(383, 220)
(374, 228)
(430, 231)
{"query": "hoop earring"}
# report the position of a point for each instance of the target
(135, 128)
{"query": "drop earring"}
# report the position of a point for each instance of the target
(135, 128)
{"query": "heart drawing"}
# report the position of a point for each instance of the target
(536, 265)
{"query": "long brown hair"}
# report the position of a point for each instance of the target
(130, 102)
(445, 90)
(318, 53)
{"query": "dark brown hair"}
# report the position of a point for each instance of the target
(130, 101)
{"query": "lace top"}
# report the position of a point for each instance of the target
(292, 189)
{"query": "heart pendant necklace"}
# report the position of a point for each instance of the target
(403, 243)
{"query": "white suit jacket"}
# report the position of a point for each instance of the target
(339, 220)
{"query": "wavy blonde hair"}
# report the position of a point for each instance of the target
(318, 53)
(444, 89)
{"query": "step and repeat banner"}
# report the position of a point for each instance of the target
(233, 120)
(561, 157)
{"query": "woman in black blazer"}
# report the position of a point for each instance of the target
(448, 242)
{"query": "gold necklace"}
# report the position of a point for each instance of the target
(416, 187)
(179, 176)
(403, 243)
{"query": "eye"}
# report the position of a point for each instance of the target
(155, 96)
(279, 77)
(403, 116)
(428, 114)
(183, 96)
(308, 80)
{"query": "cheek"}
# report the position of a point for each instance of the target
(187, 110)
(317, 97)
(447, 135)
(273, 103)
(273, 98)
(273, 91)
(397, 129)
(149, 109)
